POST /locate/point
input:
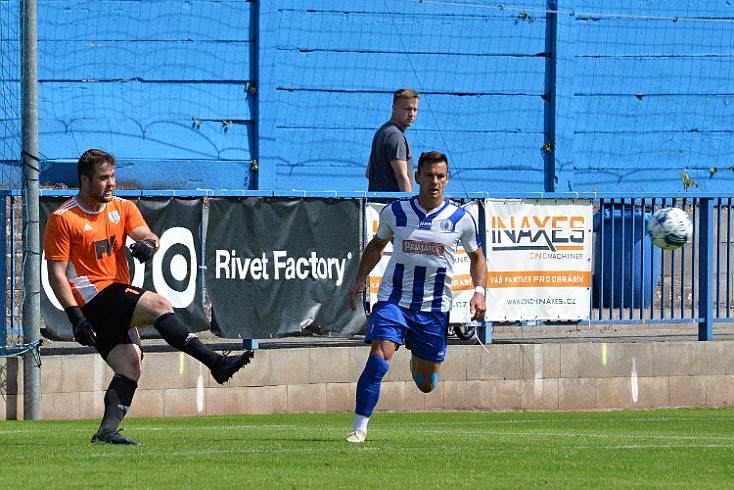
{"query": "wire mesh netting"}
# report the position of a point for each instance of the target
(10, 95)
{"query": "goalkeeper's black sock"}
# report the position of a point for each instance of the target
(180, 337)
(117, 402)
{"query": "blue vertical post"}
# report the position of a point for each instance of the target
(13, 269)
(253, 97)
(267, 98)
(4, 271)
(366, 292)
(484, 332)
(549, 118)
(202, 253)
(706, 269)
(484, 328)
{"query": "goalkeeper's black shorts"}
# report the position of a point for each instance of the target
(110, 313)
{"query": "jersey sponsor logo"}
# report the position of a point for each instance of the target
(105, 247)
(131, 290)
(425, 224)
(425, 248)
(87, 227)
(114, 216)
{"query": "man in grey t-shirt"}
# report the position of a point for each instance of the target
(391, 160)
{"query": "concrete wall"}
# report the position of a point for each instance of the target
(543, 376)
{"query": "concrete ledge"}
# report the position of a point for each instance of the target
(497, 377)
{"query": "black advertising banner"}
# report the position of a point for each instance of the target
(173, 272)
(282, 266)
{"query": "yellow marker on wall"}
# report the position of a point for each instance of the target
(604, 353)
(181, 363)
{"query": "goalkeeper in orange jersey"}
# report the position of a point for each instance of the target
(85, 248)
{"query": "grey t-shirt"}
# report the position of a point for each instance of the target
(388, 144)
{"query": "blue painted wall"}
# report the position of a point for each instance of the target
(286, 94)
(651, 99)
(160, 84)
(480, 73)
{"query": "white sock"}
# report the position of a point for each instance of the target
(360, 422)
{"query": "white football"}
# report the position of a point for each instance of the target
(670, 228)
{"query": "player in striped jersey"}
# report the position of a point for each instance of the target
(85, 248)
(414, 298)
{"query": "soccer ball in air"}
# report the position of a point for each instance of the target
(670, 228)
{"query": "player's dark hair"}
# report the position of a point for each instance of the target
(91, 158)
(405, 93)
(431, 157)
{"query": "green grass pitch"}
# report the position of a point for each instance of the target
(692, 448)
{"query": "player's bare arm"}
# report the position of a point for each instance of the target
(478, 272)
(83, 331)
(59, 283)
(144, 233)
(400, 167)
(370, 257)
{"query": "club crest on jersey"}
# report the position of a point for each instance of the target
(114, 216)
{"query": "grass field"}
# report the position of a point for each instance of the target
(643, 449)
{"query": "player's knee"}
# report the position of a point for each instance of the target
(135, 367)
(160, 305)
(136, 370)
(129, 368)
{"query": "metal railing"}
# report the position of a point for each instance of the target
(11, 329)
(636, 282)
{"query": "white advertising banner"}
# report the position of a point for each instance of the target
(462, 286)
(539, 259)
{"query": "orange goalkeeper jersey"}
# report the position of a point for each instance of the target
(92, 243)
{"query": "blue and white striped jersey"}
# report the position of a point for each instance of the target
(420, 271)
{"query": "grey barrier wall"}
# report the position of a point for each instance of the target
(632, 282)
(543, 376)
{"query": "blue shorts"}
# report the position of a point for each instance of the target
(425, 334)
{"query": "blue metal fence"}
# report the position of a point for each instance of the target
(633, 282)
(11, 328)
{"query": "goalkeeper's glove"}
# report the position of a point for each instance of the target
(143, 250)
(83, 330)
